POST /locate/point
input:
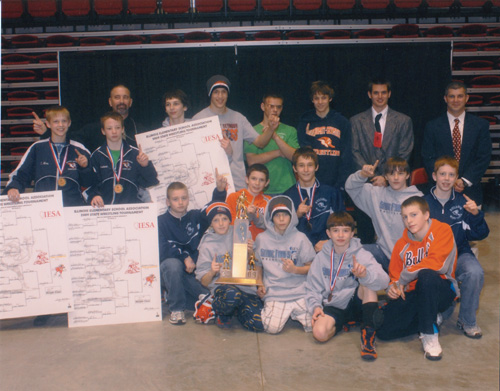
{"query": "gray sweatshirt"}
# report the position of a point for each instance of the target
(271, 247)
(383, 205)
(211, 245)
(318, 279)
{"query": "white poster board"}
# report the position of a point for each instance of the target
(114, 264)
(187, 153)
(34, 267)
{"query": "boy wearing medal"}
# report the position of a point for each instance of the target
(120, 168)
(55, 163)
(342, 285)
(382, 203)
(313, 201)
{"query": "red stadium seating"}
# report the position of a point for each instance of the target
(418, 177)
(300, 35)
(407, 3)
(242, 5)
(142, 7)
(232, 36)
(42, 8)
(307, 5)
(275, 5)
(197, 36)
(75, 7)
(12, 9)
(439, 3)
(336, 34)
(374, 4)
(209, 5)
(108, 7)
(175, 6)
(341, 4)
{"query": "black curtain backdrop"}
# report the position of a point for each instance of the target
(418, 72)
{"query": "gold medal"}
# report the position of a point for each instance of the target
(61, 182)
(118, 188)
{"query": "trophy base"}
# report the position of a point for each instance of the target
(250, 279)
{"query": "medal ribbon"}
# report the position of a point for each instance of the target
(311, 201)
(60, 168)
(333, 280)
(119, 175)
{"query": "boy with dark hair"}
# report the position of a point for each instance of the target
(255, 201)
(122, 170)
(278, 153)
(329, 134)
(176, 103)
(342, 285)
(286, 255)
(55, 163)
(313, 201)
(467, 223)
(216, 248)
(382, 204)
(179, 234)
(422, 272)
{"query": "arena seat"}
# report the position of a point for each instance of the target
(22, 95)
(405, 31)
(42, 8)
(275, 5)
(300, 35)
(242, 5)
(439, 31)
(473, 30)
(142, 7)
(129, 39)
(60, 40)
(439, 3)
(16, 59)
(75, 7)
(405, 4)
(371, 33)
(164, 38)
(336, 34)
(197, 36)
(418, 177)
(108, 7)
(267, 36)
(341, 4)
(307, 5)
(375, 4)
(209, 5)
(12, 9)
(176, 6)
(232, 36)
(472, 3)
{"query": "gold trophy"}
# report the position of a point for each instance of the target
(240, 271)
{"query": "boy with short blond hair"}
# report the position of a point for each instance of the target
(216, 248)
(422, 273)
(467, 223)
(122, 170)
(179, 234)
(286, 255)
(55, 163)
(342, 285)
(257, 179)
(383, 204)
(313, 200)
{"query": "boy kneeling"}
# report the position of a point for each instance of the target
(342, 285)
(422, 272)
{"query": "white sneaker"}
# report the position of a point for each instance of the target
(177, 317)
(432, 348)
(470, 331)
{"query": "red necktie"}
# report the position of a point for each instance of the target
(457, 142)
(377, 140)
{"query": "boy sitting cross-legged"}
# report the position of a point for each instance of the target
(382, 204)
(342, 285)
(467, 223)
(216, 249)
(286, 255)
(422, 272)
(257, 178)
(179, 233)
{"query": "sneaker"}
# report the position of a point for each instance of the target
(368, 352)
(177, 317)
(470, 331)
(223, 322)
(432, 348)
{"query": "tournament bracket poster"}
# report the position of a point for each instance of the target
(114, 264)
(34, 264)
(187, 153)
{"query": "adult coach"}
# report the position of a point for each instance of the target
(462, 135)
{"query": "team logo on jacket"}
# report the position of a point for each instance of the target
(189, 229)
(456, 212)
(321, 204)
(71, 165)
(127, 165)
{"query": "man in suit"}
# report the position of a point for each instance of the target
(463, 136)
(378, 133)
